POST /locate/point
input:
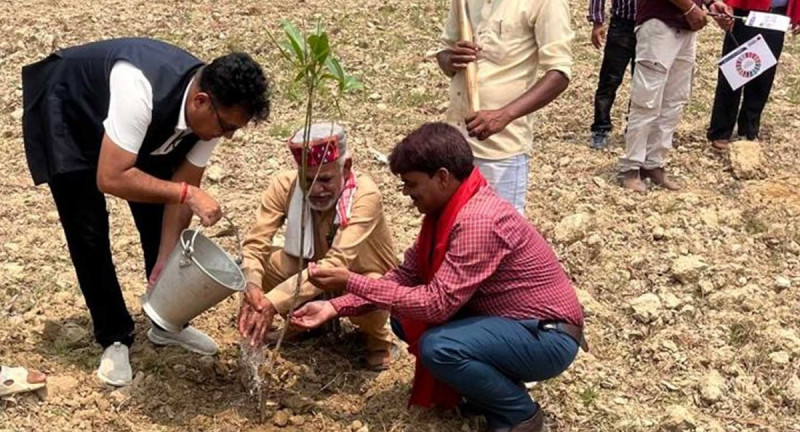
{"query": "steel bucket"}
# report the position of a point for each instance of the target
(198, 274)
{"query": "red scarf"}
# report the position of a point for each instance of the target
(432, 245)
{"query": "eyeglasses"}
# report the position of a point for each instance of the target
(226, 128)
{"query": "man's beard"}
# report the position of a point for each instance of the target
(329, 205)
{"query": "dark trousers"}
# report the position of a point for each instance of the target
(745, 104)
(619, 52)
(82, 210)
(488, 359)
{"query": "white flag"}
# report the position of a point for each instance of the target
(768, 21)
(748, 61)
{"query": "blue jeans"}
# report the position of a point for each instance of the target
(508, 177)
(488, 358)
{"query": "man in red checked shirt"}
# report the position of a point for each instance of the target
(481, 299)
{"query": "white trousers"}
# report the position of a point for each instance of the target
(508, 177)
(661, 86)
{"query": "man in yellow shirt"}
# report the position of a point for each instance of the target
(513, 40)
(345, 227)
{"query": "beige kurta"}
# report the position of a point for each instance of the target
(517, 37)
(364, 246)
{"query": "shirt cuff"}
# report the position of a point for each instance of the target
(254, 276)
(281, 300)
(345, 303)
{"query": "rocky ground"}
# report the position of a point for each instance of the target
(691, 297)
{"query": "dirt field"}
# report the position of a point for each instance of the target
(691, 297)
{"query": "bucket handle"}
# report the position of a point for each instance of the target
(189, 249)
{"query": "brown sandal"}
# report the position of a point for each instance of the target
(380, 359)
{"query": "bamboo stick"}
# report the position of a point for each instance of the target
(471, 73)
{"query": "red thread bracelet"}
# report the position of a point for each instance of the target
(184, 193)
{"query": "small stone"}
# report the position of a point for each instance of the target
(782, 283)
(356, 425)
(280, 419)
(790, 341)
(792, 392)
(595, 240)
(374, 96)
(17, 114)
(670, 301)
(179, 368)
(745, 157)
(382, 106)
(206, 363)
(599, 182)
(659, 233)
(364, 428)
(72, 335)
(215, 173)
(779, 357)
(711, 386)
(679, 419)
(297, 420)
(572, 228)
(646, 308)
(706, 287)
(686, 269)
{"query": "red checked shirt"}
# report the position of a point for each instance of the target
(496, 264)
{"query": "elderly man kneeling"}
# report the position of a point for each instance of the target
(481, 298)
(345, 229)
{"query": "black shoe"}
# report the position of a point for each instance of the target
(599, 140)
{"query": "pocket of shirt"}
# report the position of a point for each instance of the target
(498, 38)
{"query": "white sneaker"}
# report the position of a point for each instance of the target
(115, 367)
(189, 338)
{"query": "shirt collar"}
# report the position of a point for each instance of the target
(182, 126)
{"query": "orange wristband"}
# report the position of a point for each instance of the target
(184, 193)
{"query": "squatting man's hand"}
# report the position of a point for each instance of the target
(255, 315)
(328, 279)
(313, 314)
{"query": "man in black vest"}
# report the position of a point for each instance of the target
(137, 119)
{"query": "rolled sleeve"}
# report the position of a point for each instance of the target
(553, 33)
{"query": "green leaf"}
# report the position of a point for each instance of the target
(335, 69)
(295, 40)
(352, 84)
(320, 47)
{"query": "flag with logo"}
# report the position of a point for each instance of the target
(746, 62)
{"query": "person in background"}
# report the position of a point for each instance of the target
(742, 108)
(666, 40)
(514, 40)
(619, 52)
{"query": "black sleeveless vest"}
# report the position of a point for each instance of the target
(66, 98)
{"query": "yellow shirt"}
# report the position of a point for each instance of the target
(364, 246)
(517, 37)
